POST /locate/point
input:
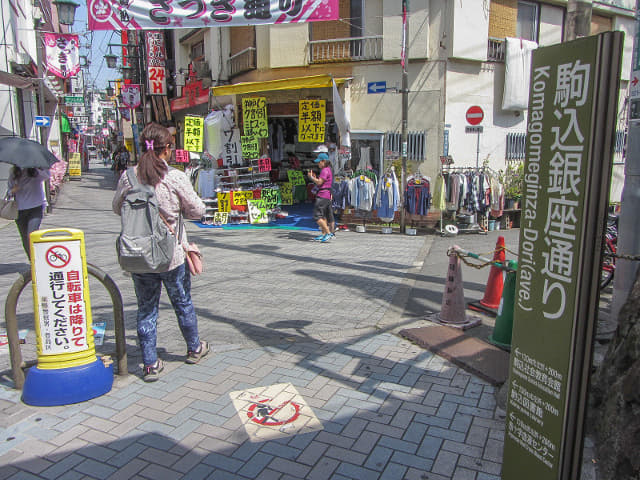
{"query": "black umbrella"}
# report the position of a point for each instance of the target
(25, 153)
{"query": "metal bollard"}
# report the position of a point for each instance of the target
(11, 320)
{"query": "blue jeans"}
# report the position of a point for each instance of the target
(148, 286)
(28, 221)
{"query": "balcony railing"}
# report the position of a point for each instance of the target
(496, 50)
(242, 61)
(356, 49)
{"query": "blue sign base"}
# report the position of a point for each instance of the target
(64, 386)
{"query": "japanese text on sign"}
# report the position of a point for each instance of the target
(193, 133)
(311, 118)
(61, 300)
(271, 197)
(563, 185)
(224, 202)
(182, 156)
(231, 149)
(156, 56)
(257, 211)
(286, 193)
(264, 164)
(152, 14)
(250, 147)
(296, 177)
(254, 117)
(241, 197)
(220, 218)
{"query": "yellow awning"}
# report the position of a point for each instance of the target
(313, 81)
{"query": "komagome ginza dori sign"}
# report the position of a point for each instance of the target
(156, 14)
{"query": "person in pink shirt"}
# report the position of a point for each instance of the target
(322, 210)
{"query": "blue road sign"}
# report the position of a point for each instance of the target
(42, 121)
(377, 87)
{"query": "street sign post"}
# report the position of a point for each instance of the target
(377, 87)
(42, 121)
(567, 172)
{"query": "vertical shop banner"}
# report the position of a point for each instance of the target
(286, 193)
(572, 112)
(150, 14)
(250, 147)
(231, 148)
(75, 169)
(311, 118)
(254, 117)
(62, 54)
(193, 133)
(224, 202)
(131, 95)
(156, 63)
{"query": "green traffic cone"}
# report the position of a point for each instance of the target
(503, 328)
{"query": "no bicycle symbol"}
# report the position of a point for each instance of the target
(58, 256)
(264, 414)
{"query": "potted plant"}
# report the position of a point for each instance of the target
(511, 180)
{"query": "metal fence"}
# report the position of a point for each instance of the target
(416, 144)
(496, 49)
(355, 49)
(516, 146)
(242, 61)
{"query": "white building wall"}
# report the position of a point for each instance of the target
(287, 45)
(418, 27)
(626, 25)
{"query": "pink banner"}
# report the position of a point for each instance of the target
(131, 95)
(62, 54)
(150, 14)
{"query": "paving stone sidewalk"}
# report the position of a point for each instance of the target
(313, 324)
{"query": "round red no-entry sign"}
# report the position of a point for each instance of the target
(474, 115)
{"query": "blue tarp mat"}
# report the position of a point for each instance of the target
(300, 218)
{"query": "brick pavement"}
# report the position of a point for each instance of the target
(387, 409)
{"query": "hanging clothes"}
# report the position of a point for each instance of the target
(440, 193)
(387, 197)
(417, 197)
(361, 192)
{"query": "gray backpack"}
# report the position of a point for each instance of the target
(145, 244)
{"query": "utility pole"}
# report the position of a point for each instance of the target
(578, 20)
(628, 232)
(404, 60)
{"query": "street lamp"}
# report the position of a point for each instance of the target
(66, 11)
(111, 59)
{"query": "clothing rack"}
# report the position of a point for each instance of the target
(473, 227)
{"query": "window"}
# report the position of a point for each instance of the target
(197, 51)
(527, 23)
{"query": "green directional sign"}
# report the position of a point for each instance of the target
(572, 112)
(73, 100)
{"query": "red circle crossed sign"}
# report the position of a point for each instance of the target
(474, 115)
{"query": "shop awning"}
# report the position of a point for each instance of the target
(14, 80)
(313, 81)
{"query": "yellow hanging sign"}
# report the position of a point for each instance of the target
(254, 117)
(311, 118)
(224, 202)
(193, 134)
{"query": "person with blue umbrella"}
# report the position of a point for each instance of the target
(31, 162)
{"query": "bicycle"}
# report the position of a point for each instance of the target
(609, 250)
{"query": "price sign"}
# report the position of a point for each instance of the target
(250, 146)
(224, 202)
(296, 177)
(271, 197)
(286, 193)
(220, 218)
(257, 211)
(182, 156)
(311, 118)
(254, 116)
(193, 133)
(264, 164)
(240, 197)
(231, 147)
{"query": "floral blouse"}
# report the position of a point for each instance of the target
(174, 192)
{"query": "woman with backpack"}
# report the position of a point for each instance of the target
(175, 196)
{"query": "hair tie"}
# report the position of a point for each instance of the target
(149, 144)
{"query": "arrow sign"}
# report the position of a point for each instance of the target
(42, 121)
(377, 87)
(634, 82)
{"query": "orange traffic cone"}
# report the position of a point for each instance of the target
(495, 284)
(452, 313)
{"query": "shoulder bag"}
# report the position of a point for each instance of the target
(8, 207)
(192, 253)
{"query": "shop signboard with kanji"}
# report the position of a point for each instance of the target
(311, 118)
(150, 14)
(156, 57)
(231, 147)
(572, 106)
(193, 133)
(257, 211)
(250, 147)
(286, 193)
(254, 117)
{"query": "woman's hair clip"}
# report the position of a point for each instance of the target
(149, 144)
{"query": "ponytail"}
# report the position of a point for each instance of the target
(151, 168)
